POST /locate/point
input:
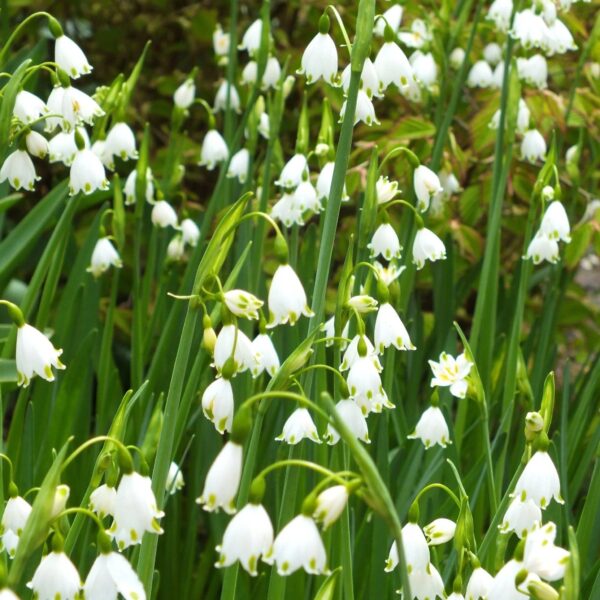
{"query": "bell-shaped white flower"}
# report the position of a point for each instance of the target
(287, 211)
(427, 246)
(163, 215)
(176, 249)
(242, 303)
(287, 298)
(87, 173)
(320, 59)
(248, 536)
(369, 80)
(293, 173)
(385, 189)
(416, 550)
(365, 111)
(385, 242)
(35, 355)
(329, 329)
(533, 146)
(272, 74)
(499, 12)
(214, 150)
(559, 39)
(366, 389)
(542, 248)
(427, 184)
(54, 105)
(111, 575)
(504, 585)
(268, 359)
(185, 94)
(238, 166)
(451, 372)
(190, 232)
(19, 171)
(354, 419)
(541, 556)
(425, 68)
(218, 405)
(227, 95)
(533, 70)
(305, 197)
(249, 73)
(78, 108)
(37, 144)
(120, 142)
(28, 107)
(555, 223)
(390, 330)
(130, 183)
(492, 54)
(530, 29)
(175, 481)
(330, 505)
(480, 75)
(251, 38)
(426, 584)
(298, 545)
(136, 510)
(104, 256)
(221, 43)
(102, 500)
(432, 428)
(298, 426)
(457, 57)
(70, 57)
(61, 495)
(392, 17)
(539, 481)
(223, 480)
(418, 35)
(55, 577)
(520, 517)
(439, 531)
(234, 343)
(479, 584)
(63, 148)
(323, 185)
(351, 355)
(14, 519)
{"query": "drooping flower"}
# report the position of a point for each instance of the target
(439, 531)
(366, 389)
(238, 166)
(227, 95)
(533, 146)
(19, 171)
(492, 53)
(385, 242)
(242, 303)
(217, 404)
(305, 197)
(504, 585)
(330, 505)
(539, 481)
(287, 210)
(111, 575)
(78, 108)
(14, 519)
(87, 173)
(499, 12)
(102, 500)
(176, 249)
(480, 75)
(320, 59)
(424, 68)
(392, 17)
(426, 584)
(390, 331)
(542, 248)
(214, 150)
(70, 57)
(369, 80)
(287, 298)
(185, 94)
(221, 42)
(130, 183)
(451, 372)
(251, 38)
(28, 107)
(479, 584)
(416, 550)
(418, 35)
(55, 577)
(35, 355)
(268, 359)
(365, 111)
(293, 172)
(520, 517)
(354, 419)
(351, 355)
(555, 222)
(432, 428)
(298, 426)
(104, 256)
(427, 246)
(457, 57)
(37, 144)
(427, 185)
(234, 343)
(120, 142)
(163, 215)
(175, 481)
(62, 146)
(189, 232)
(541, 556)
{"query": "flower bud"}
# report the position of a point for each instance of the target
(534, 423)
(541, 590)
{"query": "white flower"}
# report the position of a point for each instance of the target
(217, 404)
(385, 242)
(232, 342)
(272, 74)
(390, 330)
(37, 144)
(369, 80)
(87, 173)
(298, 426)
(251, 39)
(426, 584)
(268, 360)
(354, 419)
(176, 249)
(28, 107)
(222, 100)
(366, 389)
(432, 428)
(175, 480)
(135, 510)
(542, 248)
(504, 587)
(8, 594)
(451, 372)
(416, 550)
(324, 179)
(530, 29)
(14, 519)
(99, 149)
(479, 584)
(492, 53)
(480, 75)
(457, 57)
(320, 60)
(365, 111)
(62, 146)
(102, 500)
(424, 68)
(61, 495)
(427, 246)
(163, 215)
(35, 355)
(104, 256)
(427, 184)
(539, 481)
(520, 517)
(330, 505)
(242, 303)
(439, 531)
(18, 169)
(264, 125)
(533, 146)
(120, 141)
(385, 189)
(111, 575)
(70, 57)
(388, 274)
(248, 536)
(351, 355)
(223, 480)
(498, 76)
(305, 197)
(541, 556)
(450, 184)
(559, 39)
(130, 183)
(329, 328)
(238, 166)
(287, 210)
(293, 173)
(189, 232)
(555, 223)
(250, 73)
(298, 545)
(392, 17)
(55, 577)
(418, 35)
(214, 150)
(54, 105)
(500, 12)
(185, 94)
(221, 42)
(533, 70)
(287, 298)
(78, 108)
(363, 303)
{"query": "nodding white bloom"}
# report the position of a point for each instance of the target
(99, 149)
(555, 223)
(539, 481)
(218, 405)
(221, 100)
(234, 343)
(329, 328)
(287, 298)
(62, 146)
(388, 274)
(184, 95)
(189, 232)
(520, 517)
(272, 74)
(28, 107)
(559, 39)
(248, 536)
(268, 360)
(504, 585)
(102, 500)
(298, 426)
(432, 428)
(365, 111)
(293, 173)
(426, 584)
(18, 169)
(392, 17)
(298, 545)
(352, 355)
(354, 419)
(439, 531)
(305, 197)
(287, 210)
(523, 116)
(135, 510)
(175, 480)
(37, 144)
(214, 150)
(424, 68)
(457, 57)
(221, 42)
(242, 303)
(54, 105)
(264, 125)
(369, 80)
(251, 38)
(530, 29)
(492, 53)
(120, 141)
(533, 70)
(364, 383)
(362, 303)
(70, 57)
(238, 166)
(418, 35)
(104, 256)
(111, 575)
(498, 76)
(14, 518)
(542, 248)
(163, 215)
(393, 67)
(386, 190)
(176, 249)
(223, 480)
(390, 330)
(87, 173)
(427, 185)
(330, 505)
(78, 108)
(541, 556)
(55, 577)
(130, 183)
(479, 584)
(323, 185)
(450, 185)
(480, 75)
(533, 146)
(500, 12)
(427, 246)
(35, 355)
(320, 59)
(416, 550)
(451, 372)
(385, 242)
(249, 73)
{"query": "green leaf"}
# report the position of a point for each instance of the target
(9, 93)
(8, 371)
(413, 128)
(547, 406)
(327, 590)
(572, 576)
